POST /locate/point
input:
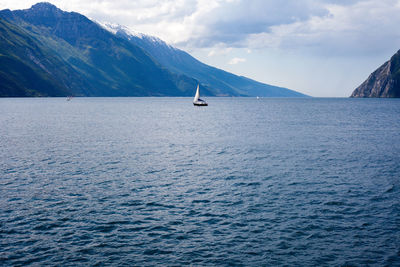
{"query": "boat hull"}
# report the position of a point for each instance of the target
(200, 104)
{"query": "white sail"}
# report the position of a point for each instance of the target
(197, 96)
(197, 101)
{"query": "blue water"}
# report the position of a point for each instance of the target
(157, 181)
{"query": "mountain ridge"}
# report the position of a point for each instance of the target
(77, 56)
(99, 64)
(182, 62)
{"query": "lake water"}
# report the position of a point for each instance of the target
(157, 181)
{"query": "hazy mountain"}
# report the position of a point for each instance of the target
(224, 83)
(384, 82)
(45, 51)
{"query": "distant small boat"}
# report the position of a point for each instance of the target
(197, 101)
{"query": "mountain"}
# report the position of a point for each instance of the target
(27, 68)
(45, 51)
(384, 82)
(224, 83)
(50, 48)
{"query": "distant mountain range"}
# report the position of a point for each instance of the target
(384, 82)
(45, 51)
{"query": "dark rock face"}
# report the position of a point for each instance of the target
(384, 82)
(70, 26)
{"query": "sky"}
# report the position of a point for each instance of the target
(323, 48)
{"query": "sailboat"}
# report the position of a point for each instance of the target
(197, 101)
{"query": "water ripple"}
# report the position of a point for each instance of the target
(263, 183)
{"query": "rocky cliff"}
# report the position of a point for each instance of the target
(384, 82)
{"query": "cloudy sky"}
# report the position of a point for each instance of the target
(319, 47)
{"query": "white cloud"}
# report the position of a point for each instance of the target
(325, 26)
(236, 60)
(365, 27)
(219, 49)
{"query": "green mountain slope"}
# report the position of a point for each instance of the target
(76, 56)
(45, 51)
(28, 68)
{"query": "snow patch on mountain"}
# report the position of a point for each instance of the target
(129, 33)
(115, 28)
